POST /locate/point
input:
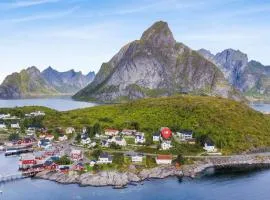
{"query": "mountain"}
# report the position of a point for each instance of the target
(250, 77)
(31, 82)
(156, 65)
(67, 82)
(27, 83)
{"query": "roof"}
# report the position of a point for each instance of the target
(186, 132)
(164, 157)
(105, 155)
(111, 130)
(27, 157)
(75, 151)
(156, 134)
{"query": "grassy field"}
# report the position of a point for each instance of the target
(233, 126)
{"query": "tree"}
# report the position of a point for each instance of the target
(13, 136)
(64, 160)
(118, 159)
(97, 128)
(96, 153)
(180, 159)
(113, 145)
(78, 138)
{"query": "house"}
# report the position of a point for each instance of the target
(156, 137)
(76, 155)
(137, 158)
(3, 126)
(85, 140)
(70, 130)
(35, 114)
(62, 138)
(50, 165)
(64, 168)
(31, 131)
(118, 140)
(139, 139)
(185, 135)
(166, 145)
(5, 116)
(111, 132)
(42, 136)
(49, 137)
(92, 163)
(164, 159)
(105, 143)
(165, 133)
(78, 167)
(209, 147)
(44, 143)
(93, 144)
(27, 161)
(128, 132)
(104, 158)
(15, 125)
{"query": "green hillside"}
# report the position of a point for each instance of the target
(231, 125)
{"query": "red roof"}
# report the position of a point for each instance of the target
(166, 133)
(164, 157)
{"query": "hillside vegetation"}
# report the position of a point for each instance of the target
(233, 126)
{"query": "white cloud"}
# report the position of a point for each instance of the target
(21, 4)
(44, 16)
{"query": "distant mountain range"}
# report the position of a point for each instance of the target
(31, 82)
(250, 77)
(157, 65)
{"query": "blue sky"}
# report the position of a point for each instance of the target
(81, 34)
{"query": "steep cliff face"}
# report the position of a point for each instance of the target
(32, 83)
(250, 77)
(156, 65)
(67, 82)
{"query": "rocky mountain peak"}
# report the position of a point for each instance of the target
(159, 35)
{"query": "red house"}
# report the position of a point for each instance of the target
(78, 167)
(27, 161)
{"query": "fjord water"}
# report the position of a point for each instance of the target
(237, 186)
(62, 103)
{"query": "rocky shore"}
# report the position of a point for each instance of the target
(121, 179)
(111, 178)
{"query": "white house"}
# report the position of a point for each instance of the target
(4, 116)
(166, 145)
(70, 130)
(31, 131)
(3, 126)
(164, 159)
(104, 158)
(85, 141)
(105, 143)
(62, 138)
(156, 137)
(92, 163)
(118, 140)
(139, 138)
(15, 125)
(111, 132)
(137, 158)
(49, 137)
(185, 135)
(35, 114)
(44, 143)
(209, 147)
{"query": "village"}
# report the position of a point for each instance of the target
(83, 150)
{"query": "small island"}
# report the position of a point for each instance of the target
(122, 144)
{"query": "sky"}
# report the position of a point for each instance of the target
(82, 34)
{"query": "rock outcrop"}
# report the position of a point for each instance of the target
(156, 65)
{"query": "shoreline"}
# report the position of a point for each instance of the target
(120, 180)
